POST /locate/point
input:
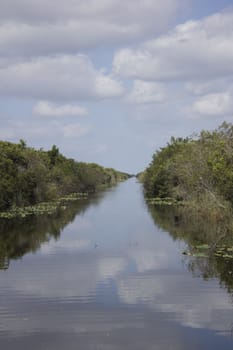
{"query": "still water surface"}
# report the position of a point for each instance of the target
(103, 275)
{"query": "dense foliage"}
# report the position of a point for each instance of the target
(29, 176)
(196, 169)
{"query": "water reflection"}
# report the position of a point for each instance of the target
(21, 236)
(194, 231)
(112, 280)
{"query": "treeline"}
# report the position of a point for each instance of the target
(29, 176)
(197, 170)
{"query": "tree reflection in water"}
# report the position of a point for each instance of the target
(195, 230)
(21, 236)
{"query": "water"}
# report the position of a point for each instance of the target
(103, 275)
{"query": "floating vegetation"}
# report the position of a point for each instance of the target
(195, 254)
(200, 255)
(73, 197)
(224, 252)
(42, 208)
(205, 251)
(163, 201)
(202, 246)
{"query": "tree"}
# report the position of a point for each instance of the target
(53, 154)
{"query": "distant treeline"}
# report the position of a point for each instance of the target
(196, 170)
(29, 176)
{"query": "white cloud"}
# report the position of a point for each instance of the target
(66, 77)
(107, 87)
(45, 27)
(194, 50)
(214, 104)
(32, 10)
(146, 92)
(207, 86)
(138, 64)
(45, 108)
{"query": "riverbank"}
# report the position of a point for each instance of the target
(29, 176)
(196, 172)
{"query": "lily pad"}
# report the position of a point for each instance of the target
(202, 246)
(227, 256)
(218, 254)
(200, 255)
(196, 254)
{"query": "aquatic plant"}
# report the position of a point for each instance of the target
(42, 208)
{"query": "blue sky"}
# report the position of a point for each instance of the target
(110, 82)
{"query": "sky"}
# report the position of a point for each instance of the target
(109, 81)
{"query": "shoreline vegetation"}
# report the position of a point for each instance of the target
(195, 174)
(33, 182)
(188, 188)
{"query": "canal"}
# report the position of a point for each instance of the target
(102, 274)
